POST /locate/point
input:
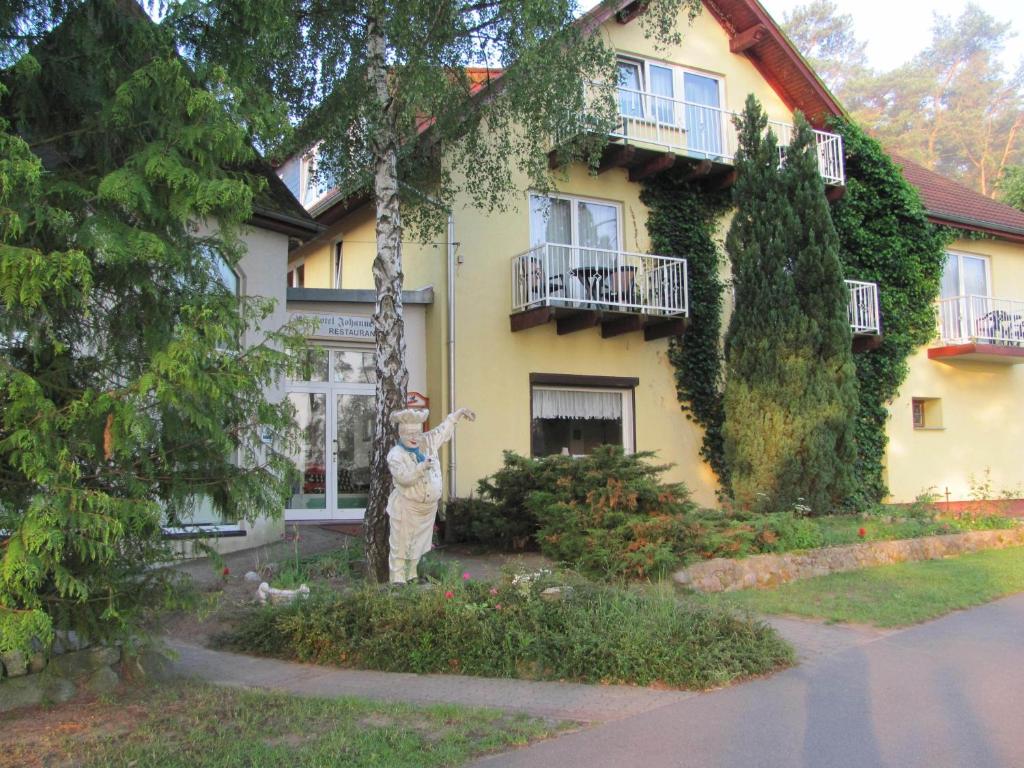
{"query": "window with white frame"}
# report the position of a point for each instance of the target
(965, 275)
(575, 221)
(297, 276)
(670, 95)
(300, 175)
(573, 421)
(337, 264)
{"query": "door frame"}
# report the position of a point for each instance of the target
(330, 511)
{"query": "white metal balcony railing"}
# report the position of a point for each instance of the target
(972, 318)
(707, 132)
(553, 275)
(863, 308)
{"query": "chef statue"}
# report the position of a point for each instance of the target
(412, 506)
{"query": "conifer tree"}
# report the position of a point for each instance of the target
(126, 395)
(790, 396)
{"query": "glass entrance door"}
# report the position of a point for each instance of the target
(333, 398)
(353, 440)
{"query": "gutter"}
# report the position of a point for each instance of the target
(282, 222)
(452, 264)
(1008, 232)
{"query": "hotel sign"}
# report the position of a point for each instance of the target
(337, 327)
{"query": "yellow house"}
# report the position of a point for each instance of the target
(955, 429)
(552, 320)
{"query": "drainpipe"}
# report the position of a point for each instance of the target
(452, 264)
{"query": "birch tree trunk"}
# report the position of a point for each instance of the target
(388, 320)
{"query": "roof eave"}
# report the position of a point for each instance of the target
(1003, 232)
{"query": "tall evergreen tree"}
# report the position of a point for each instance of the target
(790, 396)
(125, 393)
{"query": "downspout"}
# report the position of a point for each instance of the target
(452, 264)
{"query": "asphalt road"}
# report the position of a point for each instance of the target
(946, 693)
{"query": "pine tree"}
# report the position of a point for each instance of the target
(790, 394)
(125, 393)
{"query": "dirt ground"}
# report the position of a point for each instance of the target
(45, 737)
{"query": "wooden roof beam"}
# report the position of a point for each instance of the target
(617, 156)
(748, 38)
(631, 11)
(652, 167)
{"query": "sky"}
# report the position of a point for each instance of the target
(896, 29)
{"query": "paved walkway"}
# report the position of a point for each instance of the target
(945, 693)
(561, 701)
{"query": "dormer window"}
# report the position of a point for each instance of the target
(300, 176)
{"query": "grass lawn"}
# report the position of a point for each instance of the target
(192, 724)
(893, 595)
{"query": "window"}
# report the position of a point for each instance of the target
(926, 412)
(965, 275)
(299, 174)
(297, 276)
(575, 221)
(225, 274)
(337, 264)
(575, 420)
(672, 96)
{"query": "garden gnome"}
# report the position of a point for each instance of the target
(412, 506)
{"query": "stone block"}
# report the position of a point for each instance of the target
(81, 663)
(15, 663)
(65, 641)
(148, 665)
(25, 691)
(59, 689)
(37, 662)
(103, 680)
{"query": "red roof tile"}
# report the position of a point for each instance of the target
(949, 202)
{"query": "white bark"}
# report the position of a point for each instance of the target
(388, 320)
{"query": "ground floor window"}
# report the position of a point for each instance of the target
(574, 420)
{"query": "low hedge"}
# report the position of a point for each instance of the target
(591, 633)
(611, 516)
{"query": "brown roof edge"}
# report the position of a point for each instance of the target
(950, 203)
(822, 104)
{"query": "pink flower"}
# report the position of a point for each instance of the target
(494, 590)
(497, 606)
(449, 595)
(466, 576)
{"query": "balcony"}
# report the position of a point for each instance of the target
(865, 319)
(653, 130)
(980, 328)
(582, 288)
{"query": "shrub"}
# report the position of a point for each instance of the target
(610, 515)
(499, 516)
(592, 633)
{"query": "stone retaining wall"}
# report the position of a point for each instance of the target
(726, 575)
(72, 667)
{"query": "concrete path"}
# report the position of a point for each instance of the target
(561, 701)
(946, 693)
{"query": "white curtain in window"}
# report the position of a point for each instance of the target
(550, 220)
(576, 404)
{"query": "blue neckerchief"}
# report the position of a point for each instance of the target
(420, 458)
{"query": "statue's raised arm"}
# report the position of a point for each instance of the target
(416, 472)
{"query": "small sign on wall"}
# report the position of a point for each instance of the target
(337, 327)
